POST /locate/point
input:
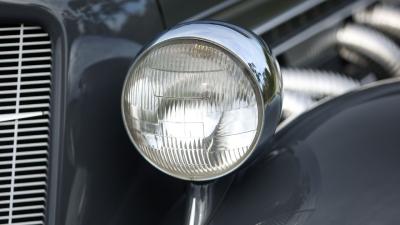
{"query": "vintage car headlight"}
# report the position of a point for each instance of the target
(194, 100)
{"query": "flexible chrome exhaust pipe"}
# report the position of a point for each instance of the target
(295, 103)
(317, 83)
(358, 44)
(302, 88)
(383, 18)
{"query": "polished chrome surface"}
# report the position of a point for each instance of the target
(252, 52)
(384, 18)
(200, 204)
(303, 88)
(19, 116)
(362, 43)
(295, 103)
(261, 69)
(299, 9)
(329, 22)
(317, 83)
(25, 71)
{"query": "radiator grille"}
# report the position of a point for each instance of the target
(25, 80)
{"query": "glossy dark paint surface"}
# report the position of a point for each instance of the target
(96, 177)
(335, 165)
(355, 141)
(175, 11)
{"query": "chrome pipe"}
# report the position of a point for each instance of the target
(316, 83)
(371, 45)
(295, 103)
(383, 18)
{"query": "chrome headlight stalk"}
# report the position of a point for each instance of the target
(197, 100)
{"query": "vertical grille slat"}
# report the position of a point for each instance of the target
(25, 84)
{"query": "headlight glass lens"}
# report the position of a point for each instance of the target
(192, 109)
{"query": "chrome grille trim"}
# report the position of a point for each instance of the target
(25, 84)
(26, 51)
(19, 28)
(325, 23)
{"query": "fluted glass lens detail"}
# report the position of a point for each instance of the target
(191, 109)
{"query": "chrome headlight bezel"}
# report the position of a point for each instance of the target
(249, 50)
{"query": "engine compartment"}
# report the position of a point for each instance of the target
(334, 45)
